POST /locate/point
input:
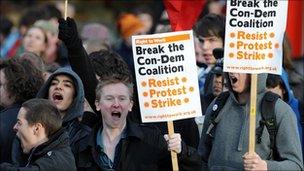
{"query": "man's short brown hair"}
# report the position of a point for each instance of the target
(45, 112)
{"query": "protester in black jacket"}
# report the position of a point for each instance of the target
(118, 144)
(47, 145)
(144, 148)
(83, 66)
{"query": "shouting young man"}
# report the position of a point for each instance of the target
(229, 146)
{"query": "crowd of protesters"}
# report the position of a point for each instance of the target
(68, 100)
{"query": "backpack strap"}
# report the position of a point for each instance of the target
(269, 120)
(215, 117)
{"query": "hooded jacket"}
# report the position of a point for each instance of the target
(55, 154)
(293, 103)
(76, 130)
(230, 141)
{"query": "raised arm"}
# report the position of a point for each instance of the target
(78, 57)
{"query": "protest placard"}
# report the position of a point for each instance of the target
(166, 75)
(254, 36)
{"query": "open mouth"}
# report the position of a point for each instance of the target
(116, 114)
(57, 97)
(233, 79)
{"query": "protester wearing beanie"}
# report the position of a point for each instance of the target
(129, 25)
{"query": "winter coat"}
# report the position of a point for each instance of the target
(76, 130)
(55, 154)
(8, 118)
(293, 103)
(230, 141)
(144, 148)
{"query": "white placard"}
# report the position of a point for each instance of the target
(254, 36)
(166, 75)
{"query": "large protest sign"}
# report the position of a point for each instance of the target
(254, 35)
(166, 76)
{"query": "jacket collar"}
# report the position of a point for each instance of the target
(57, 139)
(133, 131)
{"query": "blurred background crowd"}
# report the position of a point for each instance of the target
(95, 41)
(100, 24)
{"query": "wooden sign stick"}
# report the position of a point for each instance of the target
(252, 119)
(65, 9)
(173, 154)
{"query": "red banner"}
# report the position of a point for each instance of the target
(295, 27)
(183, 14)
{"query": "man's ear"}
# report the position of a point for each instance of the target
(131, 105)
(38, 127)
(97, 105)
